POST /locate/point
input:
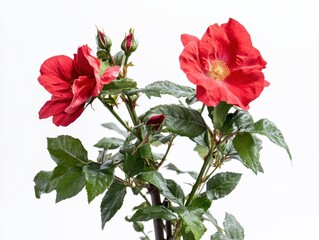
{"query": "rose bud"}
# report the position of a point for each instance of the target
(103, 41)
(129, 43)
(156, 121)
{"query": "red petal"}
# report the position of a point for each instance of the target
(190, 64)
(186, 39)
(56, 75)
(53, 107)
(64, 119)
(214, 45)
(108, 76)
(241, 47)
(247, 85)
(82, 90)
(85, 64)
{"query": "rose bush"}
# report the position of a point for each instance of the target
(227, 72)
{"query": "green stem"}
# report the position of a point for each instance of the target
(166, 153)
(199, 178)
(131, 110)
(202, 109)
(145, 198)
(127, 55)
(110, 108)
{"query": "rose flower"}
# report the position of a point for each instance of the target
(72, 83)
(224, 65)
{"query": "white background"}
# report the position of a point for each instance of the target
(280, 204)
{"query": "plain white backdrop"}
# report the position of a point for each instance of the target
(280, 204)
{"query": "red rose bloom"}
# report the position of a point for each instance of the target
(72, 83)
(224, 65)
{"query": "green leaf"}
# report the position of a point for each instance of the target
(221, 184)
(192, 220)
(109, 143)
(248, 150)
(201, 150)
(187, 233)
(152, 212)
(176, 190)
(97, 179)
(70, 184)
(42, 183)
(180, 120)
(211, 218)
(67, 151)
(239, 120)
(220, 113)
(117, 86)
(112, 201)
(220, 236)
(133, 163)
(232, 227)
(165, 87)
(201, 202)
(172, 167)
(228, 149)
(46, 182)
(114, 127)
(155, 178)
(269, 129)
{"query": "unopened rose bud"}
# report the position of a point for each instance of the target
(103, 41)
(129, 43)
(156, 121)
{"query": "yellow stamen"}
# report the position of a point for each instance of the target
(219, 70)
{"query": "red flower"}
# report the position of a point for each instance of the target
(72, 83)
(224, 65)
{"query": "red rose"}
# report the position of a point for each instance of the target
(72, 83)
(224, 65)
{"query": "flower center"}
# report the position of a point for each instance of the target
(219, 70)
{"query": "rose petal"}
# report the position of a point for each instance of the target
(56, 75)
(64, 119)
(53, 107)
(108, 76)
(82, 90)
